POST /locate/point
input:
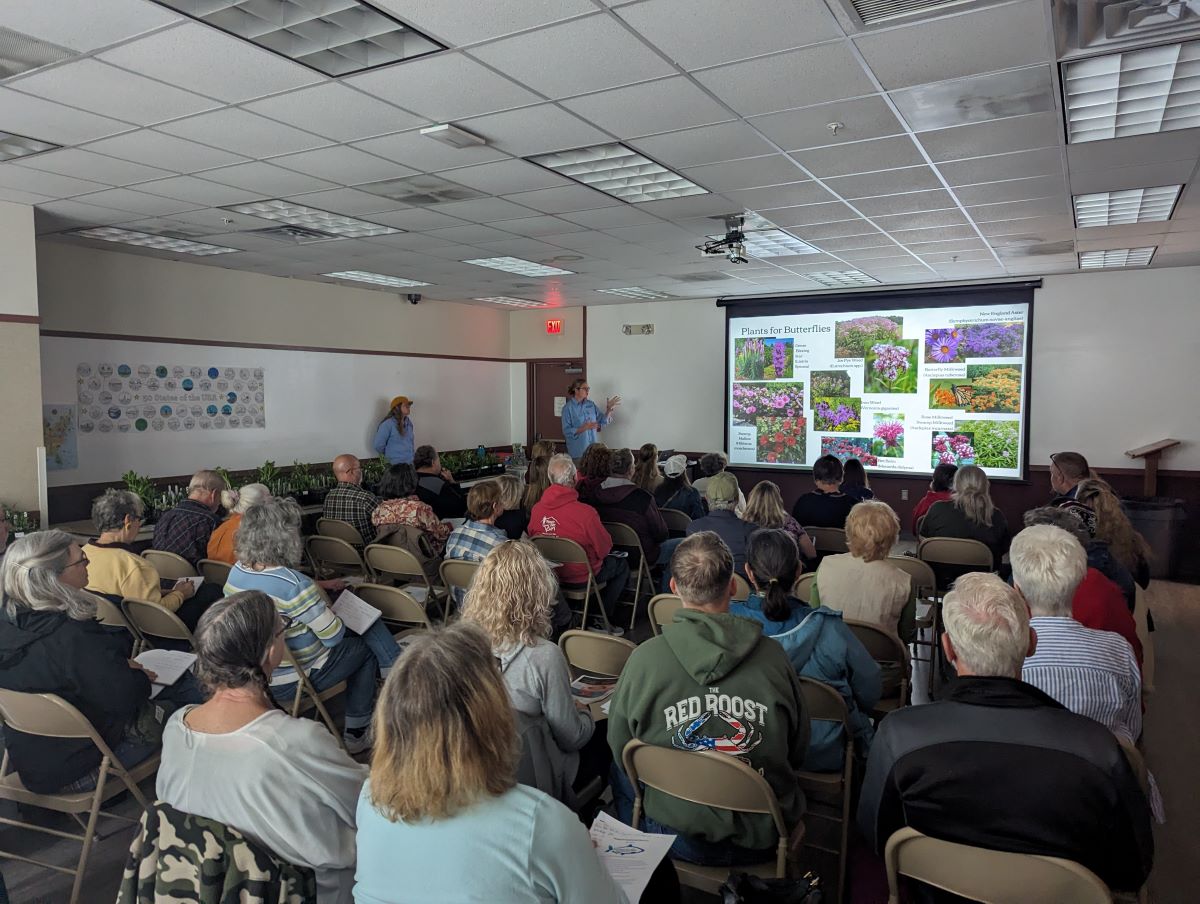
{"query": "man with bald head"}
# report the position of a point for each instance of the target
(348, 501)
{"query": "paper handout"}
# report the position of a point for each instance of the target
(355, 613)
(168, 667)
(629, 856)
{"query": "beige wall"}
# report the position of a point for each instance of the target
(18, 290)
(527, 336)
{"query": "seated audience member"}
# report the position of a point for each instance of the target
(512, 598)
(620, 500)
(3, 531)
(400, 506)
(394, 435)
(711, 464)
(269, 551)
(940, 490)
(472, 540)
(442, 817)
(1093, 673)
(721, 494)
(855, 481)
(1015, 770)
(1113, 527)
(513, 519)
(764, 507)
(437, 486)
(646, 473)
(676, 491)
(542, 448)
(1067, 471)
(668, 696)
(559, 513)
(348, 501)
(185, 529)
(242, 761)
(536, 483)
(862, 584)
(827, 505)
(51, 643)
(220, 544)
(1098, 602)
(118, 572)
(817, 642)
(592, 470)
(969, 514)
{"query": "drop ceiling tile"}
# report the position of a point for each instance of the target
(94, 167)
(888, 252)
(1017, 133)
(212, 63)
(766, 85)
(44, 119)
(488, 210)
(425, 155)
(1001, 167)
(1161, 148)
(609, 217)
(1012, 210)
(444, 87)
(808, 214)
(200, 191)
(912, 237)
(75, 24)
(416, 219)
(978, 98)
(506, 177)
(457, 24)
(774, 169)
(565, 199)
(535, 226)
(765, 199)
(985, 40)
(266, 180)
(110, 91)
(707, 144)
(164, 151)
(693, 206)
(861, 119)
(214, 221)
(336, 112)
(243, 133)
(535, 130)
(1012, 190)
(908, 202)
(839, 230)
(922, 220)
(1044, 225)
(1120, 178)
(666, 105)
(16, 196)
(470, 235)
(865, 185)
(348, 201)
(343, 165)
(861, 157)
(138, 202)
(73, 214)
(872, 242)
(36, 182)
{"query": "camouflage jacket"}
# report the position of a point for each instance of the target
(178, 857)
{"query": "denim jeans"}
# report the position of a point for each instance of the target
(614, 571)
(350, 661)
(382, 645)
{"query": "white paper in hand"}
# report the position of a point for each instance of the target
(630, 856)
(194, 581)
(168, 667)
(355, 613)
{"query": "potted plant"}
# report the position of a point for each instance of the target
(373, 471)
(19, 523)
(144, 488)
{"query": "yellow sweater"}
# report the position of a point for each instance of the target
(117, 571)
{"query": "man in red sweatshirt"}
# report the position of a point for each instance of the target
(559, 513)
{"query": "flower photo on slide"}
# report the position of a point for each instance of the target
(780, 440)
(754, 400)
(891, 367)
(837, 415)
(843, 447)
(887, 434)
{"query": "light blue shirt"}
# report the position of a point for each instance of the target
(574, 415)
(391, 445)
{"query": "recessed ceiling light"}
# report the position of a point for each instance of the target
(13, 146)
(635, 292)
(621, 172)
(21, 53)
(336, 37)
(513, 302)
(1133, 93)
(775, 243)
(453, 136)
(321, 220)
(1116, 257)
(1119, 208)
(518, 266)
(146, 240)
(377, 279)
(838, 279)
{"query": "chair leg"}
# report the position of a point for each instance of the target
(637, 593)
(90, 831)
(329, 723)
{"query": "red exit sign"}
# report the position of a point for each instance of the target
(553, 326)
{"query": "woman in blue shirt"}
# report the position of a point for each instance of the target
(582, 418)
(394, 436)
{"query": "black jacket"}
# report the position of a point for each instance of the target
(999, 764)
(85, 664)
(446, 499)
(817, 509)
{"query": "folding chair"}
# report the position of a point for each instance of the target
(825, 703)
(923, 582)
(332, 557)
(662, 609)
(591, 653)
(742, 591)
(802, 589)
(1141, 623)
(710, 779)
(152, 622)
(827, 540)
(626, 537)
(954, 556)
(48, 715)
(397, 606)
(214, 572)
(457, 574)
(169, 566)
(342, 530)
(677, 522)
(886, 649)
(396, 563)
(305, 689)
(561, 551)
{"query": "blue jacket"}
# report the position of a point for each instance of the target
(821, 647)
(574, 415)
(391, 445)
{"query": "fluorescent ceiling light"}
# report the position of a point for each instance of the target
(775, 243)
(336, 37)
(1120, 208)
(1153, 89)
(518, 266)
(621, 172)
(838, 279)
(513, 302)
(157, 242)
(322, 220)
(635, 292)
(453, 136)
(21, 53)
(1116, 257)
(376, 279)
(13, 146)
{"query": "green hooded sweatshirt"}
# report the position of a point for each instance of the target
(714, 682)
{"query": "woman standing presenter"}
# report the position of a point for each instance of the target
(394, 436)
(582, 419)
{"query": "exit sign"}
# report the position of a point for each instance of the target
(553, 326)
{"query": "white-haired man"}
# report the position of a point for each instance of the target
(999, 764)
(185, 529)
(1093, 673)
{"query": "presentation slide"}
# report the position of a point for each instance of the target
(900, 390)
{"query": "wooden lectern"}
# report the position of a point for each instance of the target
(1151, 455)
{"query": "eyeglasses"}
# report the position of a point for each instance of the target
(82, 560)
(286, 621)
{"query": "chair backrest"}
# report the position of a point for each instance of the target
(396, 605)
(882, 644)
(675, 520)
(802, 589)
(170, 567)
(742, 592)
(955, 551)
(152, 620)
(920, 575)
(394, 561)
(662, 609)
(214, 572)
(822, 701)
(827, 539)
(45, 715)
(623, 535)
(1141, 623)
(333, 554)
(458, 573)
(109, 613)
(560, 550)
(596, 654)
(986, 875)
(1136, 763)
(343, 530)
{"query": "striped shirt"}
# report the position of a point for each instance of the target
(1092, 673)
(315, 629)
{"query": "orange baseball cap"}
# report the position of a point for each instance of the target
(398, 401)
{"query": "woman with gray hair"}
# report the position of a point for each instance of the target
(269, 550)
(220, 544)
(239, 759)
(51, 643)
(970, 514)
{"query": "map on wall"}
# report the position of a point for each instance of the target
(141, 398)
(59, 437)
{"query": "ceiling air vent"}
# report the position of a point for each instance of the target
(294, 235)
(871, 12)
(710, 276)
(1121, 24)
(20, 53)
(422, 191)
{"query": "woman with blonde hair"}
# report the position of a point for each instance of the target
(645, 468)
(536, 483)
(1113, 527)
(511, 599)
(442, 817)
(764, 507)
(513, 520)
(220, 543)
(861, 583)
(970, 514)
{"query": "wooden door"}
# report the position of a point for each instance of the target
(548, 382)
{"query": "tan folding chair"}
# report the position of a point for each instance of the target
(742, 590)
(214, 572)
(49, 716)
(152, 622)
(709, 779)
(802, 589)
(457, 574)
(625, 536)
(962, 556)
(827, 540)
(109, 613)
(397, 606)
(395, 563)
(892, 656)
(332, 557)
(342, 530)
(561, 551)
(1141, 623)
(824, 703)
(677, 522)
(307, 696)
(591, 653)
(923, 582)
(1136, 763)
(169, 566)
(998, 877)
(662, 609)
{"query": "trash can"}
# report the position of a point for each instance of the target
(1159, 519)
